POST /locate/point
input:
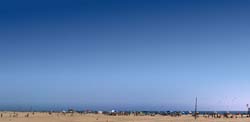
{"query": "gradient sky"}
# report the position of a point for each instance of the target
(130, 54)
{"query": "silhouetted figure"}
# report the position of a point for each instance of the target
(1, 115)
(27, 115)
(15, 115)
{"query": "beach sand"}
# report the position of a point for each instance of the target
(59, 117)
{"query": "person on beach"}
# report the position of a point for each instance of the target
(27, 115)
(1, 115)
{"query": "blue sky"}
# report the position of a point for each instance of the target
(132, 54)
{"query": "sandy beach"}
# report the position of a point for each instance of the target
(59, 117)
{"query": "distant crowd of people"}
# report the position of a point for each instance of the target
(174, 114)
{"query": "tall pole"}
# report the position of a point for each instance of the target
(195, 111)
(248, 112)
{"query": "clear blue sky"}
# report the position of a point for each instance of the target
(134, 54)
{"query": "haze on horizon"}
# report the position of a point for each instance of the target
(131, 54)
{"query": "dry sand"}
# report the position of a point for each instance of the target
(56, 117)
